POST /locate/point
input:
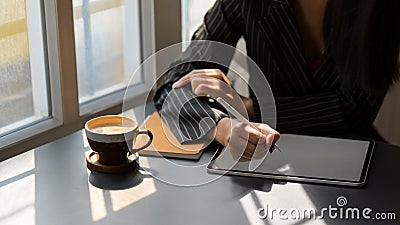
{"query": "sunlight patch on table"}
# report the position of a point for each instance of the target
(85, 141)
(97, 203)
(288, 196)
(102, 201)
(17, 189)
(124, 198)
(250, 209)
(17, 165)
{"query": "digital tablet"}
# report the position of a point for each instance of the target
(305, 159)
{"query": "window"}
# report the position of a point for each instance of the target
(65, 62)
(193, 12)
(107, 44)
(23, 78)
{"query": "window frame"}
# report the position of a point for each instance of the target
(66, 114)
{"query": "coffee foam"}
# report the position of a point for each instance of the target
(108, 129)
(113, 129)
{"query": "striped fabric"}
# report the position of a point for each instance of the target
(305, 103)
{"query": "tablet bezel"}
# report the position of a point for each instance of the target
(302, 179)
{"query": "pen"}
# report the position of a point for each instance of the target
(241, 118)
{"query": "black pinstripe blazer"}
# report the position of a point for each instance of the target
(305, 103)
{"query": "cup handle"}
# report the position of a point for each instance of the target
(148, 133)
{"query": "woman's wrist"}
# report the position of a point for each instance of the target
(248, 103)
(223, 128)
(222, 134)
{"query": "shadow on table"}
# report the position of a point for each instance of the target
(116, 181)
(126, 180)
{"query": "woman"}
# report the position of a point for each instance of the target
(329, 65)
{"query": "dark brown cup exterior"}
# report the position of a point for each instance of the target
(115, 153)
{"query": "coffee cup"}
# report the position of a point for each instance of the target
(112, 137)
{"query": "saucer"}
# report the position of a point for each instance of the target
(93, 164)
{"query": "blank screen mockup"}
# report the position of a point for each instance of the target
(308, 157)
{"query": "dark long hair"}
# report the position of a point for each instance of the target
(365, 41)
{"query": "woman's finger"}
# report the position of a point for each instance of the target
(259, 153)
(263, 146)
(246, 132)
(243, 150)
(202, 85)
(265, 129)
(250, 134)
(183, 81)
(237, 146)
(249, 149)
(187, 79)
(245, 157)
(214, 73)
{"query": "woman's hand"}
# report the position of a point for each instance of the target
(213, 83)
(243, 141)
(208, 82)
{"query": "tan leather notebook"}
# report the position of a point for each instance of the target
(165, 142)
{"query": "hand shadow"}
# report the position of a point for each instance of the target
(259, 184)
(251, 183)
